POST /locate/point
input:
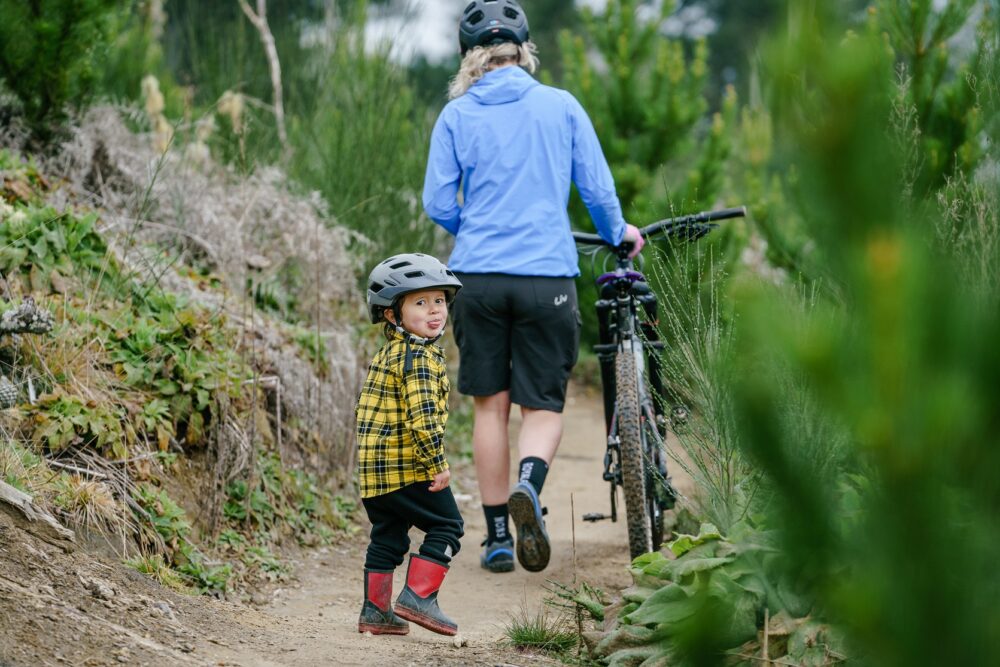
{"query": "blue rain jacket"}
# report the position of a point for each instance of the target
(514, 145)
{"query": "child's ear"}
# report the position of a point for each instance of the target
(389, 315)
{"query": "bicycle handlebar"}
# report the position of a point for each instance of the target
(694, 225)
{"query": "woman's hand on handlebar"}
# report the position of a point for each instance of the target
(634, 236)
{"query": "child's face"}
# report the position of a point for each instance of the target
(424, 313)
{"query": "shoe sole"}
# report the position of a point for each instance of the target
(382, 629)
(504, 566)
(425, 621)
(533, 549)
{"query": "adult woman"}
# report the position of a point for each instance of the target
(514, 146)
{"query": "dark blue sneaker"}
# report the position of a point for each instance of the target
(533, 548)
(498, 556)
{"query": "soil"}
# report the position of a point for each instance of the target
(81, 608)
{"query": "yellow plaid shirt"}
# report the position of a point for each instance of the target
(401, 418)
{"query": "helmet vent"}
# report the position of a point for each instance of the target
(469, 8)
(377, 287)
(475, 18)
(399, 265)
(510, 13)
(413, 274)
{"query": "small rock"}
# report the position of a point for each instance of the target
(458, 641)
(258, 262)
(99, 588)
(164, 609)
(259, 599)
(368, 633)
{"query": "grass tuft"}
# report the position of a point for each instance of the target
(157, 568)
(540, 631)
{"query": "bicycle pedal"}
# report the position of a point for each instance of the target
(593, 517)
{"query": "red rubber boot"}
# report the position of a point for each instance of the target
(418, 601)
(376, 613)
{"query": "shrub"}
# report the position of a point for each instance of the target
(48, 52)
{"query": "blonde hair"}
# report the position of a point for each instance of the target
(481, 59)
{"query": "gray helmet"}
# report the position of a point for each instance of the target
(402, 274)
(491, 22)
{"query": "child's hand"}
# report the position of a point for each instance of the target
(440, 481)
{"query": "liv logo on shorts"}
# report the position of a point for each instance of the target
(561, 299)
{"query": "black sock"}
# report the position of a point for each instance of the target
(533, 471)
(496, 522)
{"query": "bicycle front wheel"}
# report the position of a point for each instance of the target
(630, 442)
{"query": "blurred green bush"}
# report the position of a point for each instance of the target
(49, 50)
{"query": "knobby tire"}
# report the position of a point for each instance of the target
(653, 447)
(630, 443)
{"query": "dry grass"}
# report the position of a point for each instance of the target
(87, 502)
(214, 217)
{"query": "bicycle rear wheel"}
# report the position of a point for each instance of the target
(660, 494)
(630, 442)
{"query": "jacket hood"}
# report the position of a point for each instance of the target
(503, 85)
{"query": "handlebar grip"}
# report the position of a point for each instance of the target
(727, 213)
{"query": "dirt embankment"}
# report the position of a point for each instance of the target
(81, 609)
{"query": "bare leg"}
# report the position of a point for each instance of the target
(541, 431)
(490, 448)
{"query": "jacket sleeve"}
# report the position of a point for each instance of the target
(442, 179)
(420, 389)
(593, 177)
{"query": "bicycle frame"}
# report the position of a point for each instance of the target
(619, 323)
(623, 293)
(628, 348)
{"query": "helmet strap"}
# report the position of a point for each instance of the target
(409, 337)
(414, 338)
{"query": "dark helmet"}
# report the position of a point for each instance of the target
(486, 22)
(402, 274)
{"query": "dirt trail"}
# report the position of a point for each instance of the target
(318, 621)
(86, 609)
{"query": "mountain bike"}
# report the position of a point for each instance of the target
(629, 351)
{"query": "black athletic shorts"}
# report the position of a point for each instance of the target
(520, 333)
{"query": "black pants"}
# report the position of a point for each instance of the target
(393, 514)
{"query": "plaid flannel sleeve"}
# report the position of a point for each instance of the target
(382, 465)
(425, 412)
